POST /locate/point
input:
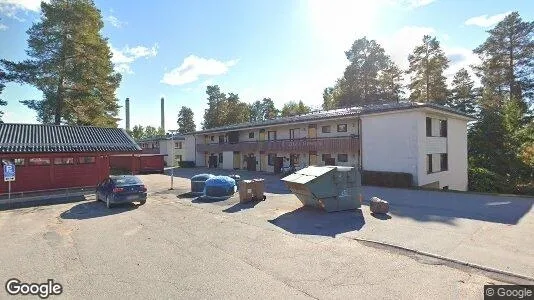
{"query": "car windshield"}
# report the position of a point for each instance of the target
(119, 181)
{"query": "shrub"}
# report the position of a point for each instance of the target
(387, 179)
(484, 180)
(186, 164)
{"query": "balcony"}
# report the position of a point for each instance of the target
(334, 144)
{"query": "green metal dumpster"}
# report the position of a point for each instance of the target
(333, 188)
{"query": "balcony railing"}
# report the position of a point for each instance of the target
(332, 144)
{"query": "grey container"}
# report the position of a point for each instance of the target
(198, 182)
(333, 188)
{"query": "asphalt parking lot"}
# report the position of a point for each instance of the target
(180, 247)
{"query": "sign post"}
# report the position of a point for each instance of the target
(9, 175)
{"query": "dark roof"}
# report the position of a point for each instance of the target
(336, 113)
(177, 137)
(29, 138)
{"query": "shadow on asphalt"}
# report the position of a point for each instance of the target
(203, 199)
(42, 202)
(314, 221)
(445, 207)
(381, 216)
(96, 209)
(241, 206)
(273, 184)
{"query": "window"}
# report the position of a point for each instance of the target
(429, 163)
(221, 139)
(177, 145)
(39, 161)
(444, 161)
(87, 160)
(325, 157)
(342, 157)
(326, 129)
(63, 161)
(212, 138)
(15, 161)
(271, 135)
(251, 135)
(220, 158)
(270, 159)
(178, 157)
(443, 128)
(341, 127)
(428, 126)
(294, 133)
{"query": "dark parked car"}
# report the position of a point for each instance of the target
(121, 189)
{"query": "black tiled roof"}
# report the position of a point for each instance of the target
(336, 113)
(29, 138)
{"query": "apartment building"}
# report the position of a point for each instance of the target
(166, 145)
(426, 140)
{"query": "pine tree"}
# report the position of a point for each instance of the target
(2, 86)
(427, 64)
(70, 62)
(390, 83)
(186, 122)
(463, 95)
(507, 58)
(237, 111)
(216, 111)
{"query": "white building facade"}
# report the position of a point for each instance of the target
(169, 146)
(426, 140)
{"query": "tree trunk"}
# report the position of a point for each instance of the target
(59, 102)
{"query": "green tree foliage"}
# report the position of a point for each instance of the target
(70, 63)
(293, 108)
(263, 110)
(463, 95)
(371, 77)
(2, 86)
(138, 132)
(224, 110)
(427, 64)
(507, 58)
(237, 111)
(501, 138)
(186, 122)
(151, 132)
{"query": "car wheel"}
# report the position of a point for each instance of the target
(108, 203)
(142, 202)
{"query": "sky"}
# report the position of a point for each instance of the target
(282, 49)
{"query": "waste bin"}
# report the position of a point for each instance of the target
(333, 188)
(198, 182)
(219, 187)
(251, 190)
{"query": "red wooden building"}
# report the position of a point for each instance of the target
(138, 163)
(51, 157)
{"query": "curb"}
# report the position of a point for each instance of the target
(44, 200)
(448, 259)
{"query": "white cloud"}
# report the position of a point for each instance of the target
(122, 58)
(402, 43)
(10, 8)
(3, 27)
(409, 3)
(115, 22)
(485, 20)
(193, 67)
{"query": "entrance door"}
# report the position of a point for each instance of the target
(278, 163)
(236, 160)
(262, 135)
(251, 162)
(313, 158)
(213, 161)
(312, 131)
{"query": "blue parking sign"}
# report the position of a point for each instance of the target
(9, 172)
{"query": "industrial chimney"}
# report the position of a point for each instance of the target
(163, 114)
(128, 114)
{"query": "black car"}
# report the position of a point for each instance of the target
(121, 189)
